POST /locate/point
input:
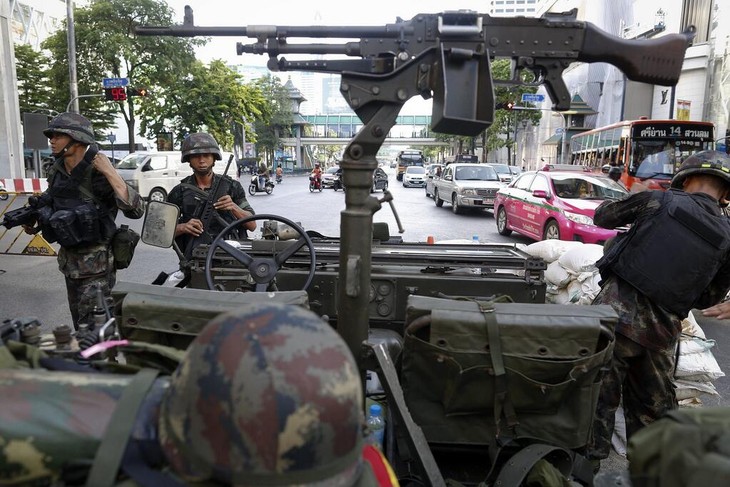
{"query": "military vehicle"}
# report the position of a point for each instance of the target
(480, 379)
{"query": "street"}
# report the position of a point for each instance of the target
(33, 286)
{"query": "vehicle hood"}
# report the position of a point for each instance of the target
(480, 184)
(127, 174)
(582, 206)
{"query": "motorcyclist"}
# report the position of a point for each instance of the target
(279, 174)
(316, 175)
(263, 176)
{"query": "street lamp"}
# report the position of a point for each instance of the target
(563, 138)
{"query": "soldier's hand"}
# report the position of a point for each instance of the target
(193, 227)
(225, 203)
(29, 230)
(719, 311)
(102, 163)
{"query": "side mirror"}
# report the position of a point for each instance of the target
(159, 224)
(540, 193)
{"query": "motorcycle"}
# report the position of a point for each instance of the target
(254, 188)
(278, 178)
(315, 184)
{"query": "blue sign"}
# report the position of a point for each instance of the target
(532, 98)
(115, 82)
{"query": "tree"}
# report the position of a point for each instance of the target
(210, 98)
(31, 68)
(275, 122)
(107, 47)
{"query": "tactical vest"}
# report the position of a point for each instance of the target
(672, 256)
(78, 217)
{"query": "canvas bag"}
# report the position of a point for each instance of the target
(534, 371)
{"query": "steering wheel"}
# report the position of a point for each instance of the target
(262, 269)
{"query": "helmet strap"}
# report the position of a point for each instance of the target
(65, 149)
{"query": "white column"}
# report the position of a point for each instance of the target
(11, 148)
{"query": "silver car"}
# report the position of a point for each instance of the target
(414, 176)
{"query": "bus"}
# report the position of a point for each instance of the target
(647, 151)
(462, 158)
(407, 158)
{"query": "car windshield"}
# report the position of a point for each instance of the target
(332, 170)
(572, 186)
(416, 170)
(475, 173)
(132, 161)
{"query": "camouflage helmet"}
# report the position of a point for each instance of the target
(200, 143)
(710, 162)
(268, 394)
(76, 126)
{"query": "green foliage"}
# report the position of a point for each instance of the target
(275, 120)
(32, 73)
(107, 47)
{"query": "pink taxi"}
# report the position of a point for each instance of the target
(555, 205)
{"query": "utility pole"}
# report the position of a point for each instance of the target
(71, 40)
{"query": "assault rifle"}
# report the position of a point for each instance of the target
(26, 215)
(205, 212)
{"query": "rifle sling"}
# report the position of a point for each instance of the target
(108, 457)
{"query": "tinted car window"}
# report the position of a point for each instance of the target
(476, 173)
(415, 170)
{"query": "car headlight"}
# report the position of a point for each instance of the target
(469, 192)
(578, 218)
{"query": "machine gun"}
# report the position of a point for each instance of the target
(446, 57)
(205, 212)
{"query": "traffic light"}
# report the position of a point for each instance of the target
(137, 91)
(115, 94)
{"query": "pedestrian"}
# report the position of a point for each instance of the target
(674, 258)
(201, 151)
(80, 206)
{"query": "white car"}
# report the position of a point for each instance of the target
(467, 185)
(414, 176)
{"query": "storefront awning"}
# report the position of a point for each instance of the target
(553, 140)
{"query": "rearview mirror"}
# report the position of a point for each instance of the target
(159, 225)
(540, 193)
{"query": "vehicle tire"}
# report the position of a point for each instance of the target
(502, 222)
(552, 231)
(4, 195)
(252, 189)
(436, 198)
(385, 187)
(427, 193)
(269, 189)
(157, 194)
(455, 205)
(320, 187)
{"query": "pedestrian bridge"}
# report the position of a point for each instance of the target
(336, 129)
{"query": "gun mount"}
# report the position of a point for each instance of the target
(445, 57)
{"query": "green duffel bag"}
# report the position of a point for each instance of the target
(476, 370)
(685, 447)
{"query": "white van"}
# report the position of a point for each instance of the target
(154, 174)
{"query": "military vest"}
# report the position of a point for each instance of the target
(673, 256)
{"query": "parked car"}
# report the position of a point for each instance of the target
(414, 176)
(380, 180)
(328, 177)
(432, 171)
(555, 205)
(467, 185)
(503, 171)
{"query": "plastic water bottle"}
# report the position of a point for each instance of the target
(475, 239)
(376, 426)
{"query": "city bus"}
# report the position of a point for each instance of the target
(407, 158)
(648, 151)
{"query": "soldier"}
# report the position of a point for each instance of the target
(84, 195)
(267, 394)
(201, 151)
(674, 258)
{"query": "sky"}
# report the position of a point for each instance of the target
(300, 12)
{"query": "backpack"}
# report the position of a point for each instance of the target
(685, 447)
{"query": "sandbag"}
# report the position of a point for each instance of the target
(550, 250)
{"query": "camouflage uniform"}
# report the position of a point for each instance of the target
(646, 334)
(184, 196)
(88, 265)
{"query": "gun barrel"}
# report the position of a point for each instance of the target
(271, 31)
(348, 49)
